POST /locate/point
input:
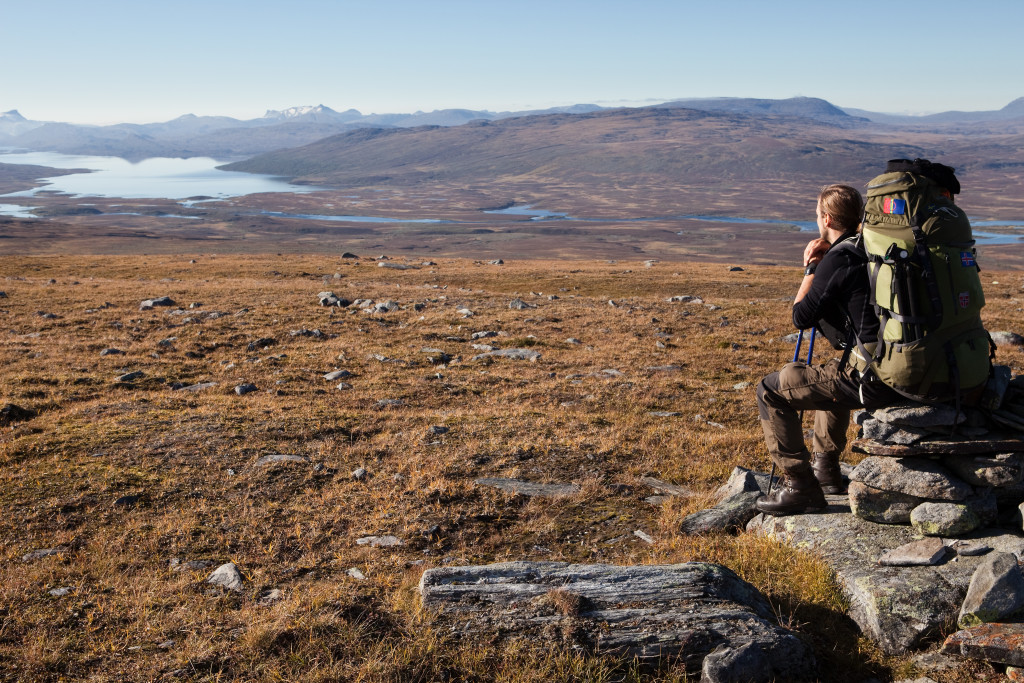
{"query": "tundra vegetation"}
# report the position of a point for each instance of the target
(139, 465)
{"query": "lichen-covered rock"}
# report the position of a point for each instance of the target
(918, 477)
(684, 612)
(892, 433)
(996, 591)
(731, 514)
(913, 414)
(1004, 469)
(1000, 643)
(944, 519)
(879, 506)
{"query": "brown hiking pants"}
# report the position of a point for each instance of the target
(826, 389)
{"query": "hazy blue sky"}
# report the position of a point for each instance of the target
(108, 61)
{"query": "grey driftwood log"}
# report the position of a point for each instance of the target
(682, 611)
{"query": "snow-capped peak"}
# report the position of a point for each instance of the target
(12, 116)
(295, 112)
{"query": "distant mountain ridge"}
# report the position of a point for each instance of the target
(229, 138)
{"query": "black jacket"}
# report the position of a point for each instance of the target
(840, 295)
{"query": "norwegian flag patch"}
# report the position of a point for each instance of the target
(893, 205)
(965, 299)
(967, 259)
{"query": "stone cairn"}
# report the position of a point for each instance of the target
(951, 474)
(945, 472)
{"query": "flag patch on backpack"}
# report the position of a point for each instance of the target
(967, 259)
(965, 299)
(893, 205)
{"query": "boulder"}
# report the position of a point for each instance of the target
(226, 576)
(996, 591)
(731, 514)
(944, 519)
(684, 612)
(897, 607)
(996, 469)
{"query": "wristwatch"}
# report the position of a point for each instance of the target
(811, 267)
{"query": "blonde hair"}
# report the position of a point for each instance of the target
(844, 204)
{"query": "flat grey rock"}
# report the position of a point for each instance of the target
(281, 458)
(41, 553)
(926, 552)
(226, 576)
(514, 354)
(912, 414)
(199, 386)
(892, 433)
(897, 607)
(380, 541)
(918, 477)
(396, 266)
(337, 374)
(528, 488)
(1003, 338)
(684, 612)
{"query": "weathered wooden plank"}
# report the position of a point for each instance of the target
(683, 611)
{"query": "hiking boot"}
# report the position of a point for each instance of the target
(798, 492)
(827, 472)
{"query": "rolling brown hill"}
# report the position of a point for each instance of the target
(666, 160)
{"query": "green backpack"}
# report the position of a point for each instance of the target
(922, 266)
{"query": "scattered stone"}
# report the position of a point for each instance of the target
(1003, 338)
(167, 644)
(437, 430)
(740, 386)
(60, 592)
(226, 576)
(111, 352)
(527, 488)
(645, 537)
(485, 334)
(349, 254)
(281, 458)
(261, 344)
(359, 474)
(131, 376)
(742, 480)
(150, 304)
(194, 388)
(735, 269)
(944, 519)
(343, 386)
(390, 403)
(513, 354)
(41, 553)
(176, 565)
(14, 413)
(303, 332)
(996, 592)
(270, 597)
(127, 501)
(682, 612)
(396, 266)
(497, 262)
(356, 574)
(926, 552)
(1000, 643)
(465, 312)
(243, 389)
(732, 514)
(337, 374)
(665, 487)
(386, 306)
(380, 541)
(519, 305)
(685, 299)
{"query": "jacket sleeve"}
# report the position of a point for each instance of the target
(821, 296)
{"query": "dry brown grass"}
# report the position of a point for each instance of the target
(191, 458)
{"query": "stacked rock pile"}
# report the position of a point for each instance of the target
(945, 472)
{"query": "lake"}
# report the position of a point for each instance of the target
(155, 178)
(181, 179)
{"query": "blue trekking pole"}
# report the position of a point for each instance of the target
(796, 357)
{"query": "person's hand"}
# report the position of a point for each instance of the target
(815, 250)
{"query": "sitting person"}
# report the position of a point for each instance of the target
(833, 296)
